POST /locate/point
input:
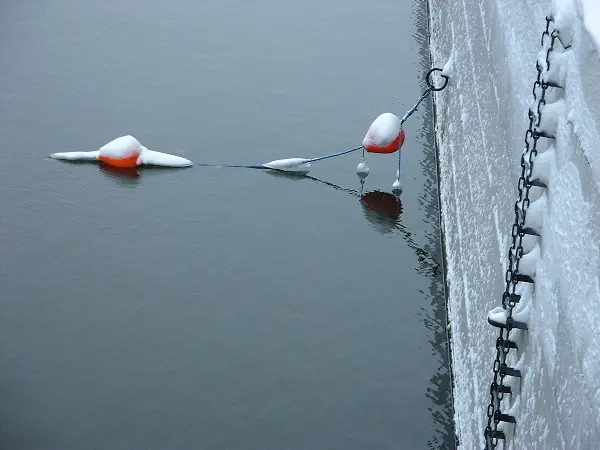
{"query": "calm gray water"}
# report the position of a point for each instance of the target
(217, 308)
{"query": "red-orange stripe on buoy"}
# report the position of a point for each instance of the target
(130, 161)
(393, 147)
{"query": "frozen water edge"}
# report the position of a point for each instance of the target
(482, 117)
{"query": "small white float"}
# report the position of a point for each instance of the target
(362, 170)
(294, 165)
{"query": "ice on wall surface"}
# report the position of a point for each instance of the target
(482, 118)
(449, 66)
(591, 19)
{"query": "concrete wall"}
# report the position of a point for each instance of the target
(481, 123)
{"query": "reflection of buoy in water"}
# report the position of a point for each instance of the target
(382, 210)
(385, 135)
(125, 172)
(125, 152)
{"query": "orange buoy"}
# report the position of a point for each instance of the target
(385, 135)
(391, 148)
(122, 152)
(127, 162)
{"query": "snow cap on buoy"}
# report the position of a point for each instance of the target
(385, 135)
(123, 151)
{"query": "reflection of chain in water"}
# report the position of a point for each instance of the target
(381, 209)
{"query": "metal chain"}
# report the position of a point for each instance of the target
(512, 276)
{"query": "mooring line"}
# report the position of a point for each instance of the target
(302, 161)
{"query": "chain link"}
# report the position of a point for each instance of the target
(515, 253)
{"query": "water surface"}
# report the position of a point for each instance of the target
(217, 308)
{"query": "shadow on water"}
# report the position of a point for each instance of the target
(381, 209)
(125, 176)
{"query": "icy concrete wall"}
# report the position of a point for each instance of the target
(481, 124)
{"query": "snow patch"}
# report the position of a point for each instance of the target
(449, 66)
(77, 156)
(121, 148)
(152, 158)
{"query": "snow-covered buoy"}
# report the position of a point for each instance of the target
(295, 165)
(362, 170)
(125, 152)
(385, 135)
(397, 187)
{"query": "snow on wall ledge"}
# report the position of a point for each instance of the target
(482, 119)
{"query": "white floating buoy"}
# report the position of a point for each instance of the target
(362, 170)
(397, 187)
(295, 165)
